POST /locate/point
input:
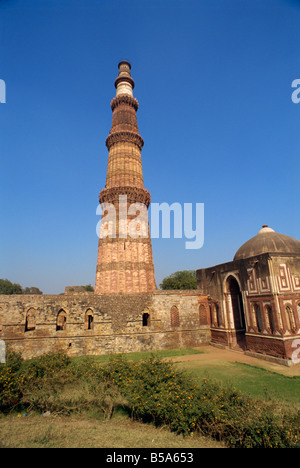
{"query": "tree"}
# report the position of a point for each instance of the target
(180, 280)
(32, 290)
(7, 287)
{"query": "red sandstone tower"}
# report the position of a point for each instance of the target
(125, 261)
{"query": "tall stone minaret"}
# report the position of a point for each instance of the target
(125, 261)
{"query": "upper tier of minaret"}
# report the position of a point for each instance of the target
(124, 83)
(124, 141)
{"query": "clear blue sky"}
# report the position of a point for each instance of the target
(213, 79)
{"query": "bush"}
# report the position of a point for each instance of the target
(9, 380)
(46, 365)
(9, 388)
(14, 360)
(53, 382)
(151, 390)
(158, 393)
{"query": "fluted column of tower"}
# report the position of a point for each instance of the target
(125, 261)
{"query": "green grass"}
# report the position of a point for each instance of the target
(255, 381)
(145, 354)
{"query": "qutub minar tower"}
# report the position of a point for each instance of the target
(251, 303)
(125, 263)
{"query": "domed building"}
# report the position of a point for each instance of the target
(268, 241)
(255, 299)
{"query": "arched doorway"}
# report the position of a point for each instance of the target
(236, 310)
(30, 323)
(61, 320)
(89, 320)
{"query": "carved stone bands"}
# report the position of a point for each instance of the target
(116, 240)
(124, 99)
(134, 195)
(124, 137)
(119, 266)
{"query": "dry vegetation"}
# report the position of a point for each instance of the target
(36, 431)
(132, 403)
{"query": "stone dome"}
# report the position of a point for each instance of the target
(268, 241)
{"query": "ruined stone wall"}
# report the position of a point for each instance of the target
(121, 323)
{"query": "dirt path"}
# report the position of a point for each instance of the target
(211, 353)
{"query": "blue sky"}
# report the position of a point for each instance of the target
(213, 79)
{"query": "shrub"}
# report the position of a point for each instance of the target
(14, 360)
(53, 382)
(46, 364)
(9, 380)
(9, 388)
(152, 390)
(158, 393)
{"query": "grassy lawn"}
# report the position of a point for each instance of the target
(145, 354)
(256, 381)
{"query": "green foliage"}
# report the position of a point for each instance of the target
(7, 287)
(89, 288)
(10, 380)
(46, 365)
(150, 390)
(180, 280)
(32, 290)
(14, 360)
(9, 388)
(156, 392)
(53, 382)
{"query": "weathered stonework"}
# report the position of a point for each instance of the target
(117, 324)
(125, 264)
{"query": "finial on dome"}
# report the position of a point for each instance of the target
(265, 228)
